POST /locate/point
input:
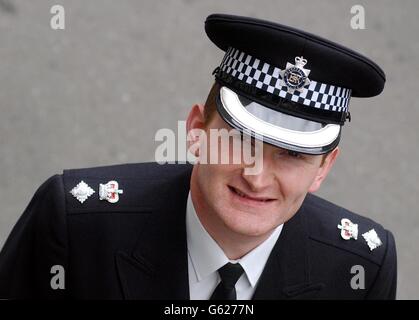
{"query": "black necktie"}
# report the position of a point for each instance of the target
(229, 275)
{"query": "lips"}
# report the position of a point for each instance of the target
(246, 196)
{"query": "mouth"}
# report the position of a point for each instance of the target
(250, 199)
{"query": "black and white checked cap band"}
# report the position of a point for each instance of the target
(288, 85)
(266, 77)
(300, 115)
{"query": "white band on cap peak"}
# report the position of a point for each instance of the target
(312, 139)
(268, 78)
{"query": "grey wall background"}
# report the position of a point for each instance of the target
(96, 93)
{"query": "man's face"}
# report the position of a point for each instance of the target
(253, 205)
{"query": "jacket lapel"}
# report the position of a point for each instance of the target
(287, 271)
(157, 266)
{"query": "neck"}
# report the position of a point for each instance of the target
(233, 244)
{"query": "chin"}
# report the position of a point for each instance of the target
(246, 223)
(249, 231)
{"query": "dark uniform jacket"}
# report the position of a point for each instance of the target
(136, 248)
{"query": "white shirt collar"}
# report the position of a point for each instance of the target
(207, 256)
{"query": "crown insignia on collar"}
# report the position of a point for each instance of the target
(110, 191)
(348, 229)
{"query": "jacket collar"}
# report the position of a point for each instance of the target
(287, 272)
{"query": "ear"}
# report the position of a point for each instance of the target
(195, 124)
(324, 170)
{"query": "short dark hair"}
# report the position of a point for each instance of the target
(211, 105)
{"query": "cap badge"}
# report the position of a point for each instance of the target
(295, 77)
(110, 191)
(82, 191)
(372, 239)
(349, 230)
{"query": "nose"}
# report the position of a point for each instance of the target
(262, 180)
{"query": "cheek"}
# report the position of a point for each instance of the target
(295, 180)
(214, 178)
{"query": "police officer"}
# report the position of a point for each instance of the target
(212, 231)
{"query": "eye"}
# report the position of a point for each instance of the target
(294, 154)
(282, 153)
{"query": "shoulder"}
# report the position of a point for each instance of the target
(370, 241)
(133, 186)
(147, 170)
